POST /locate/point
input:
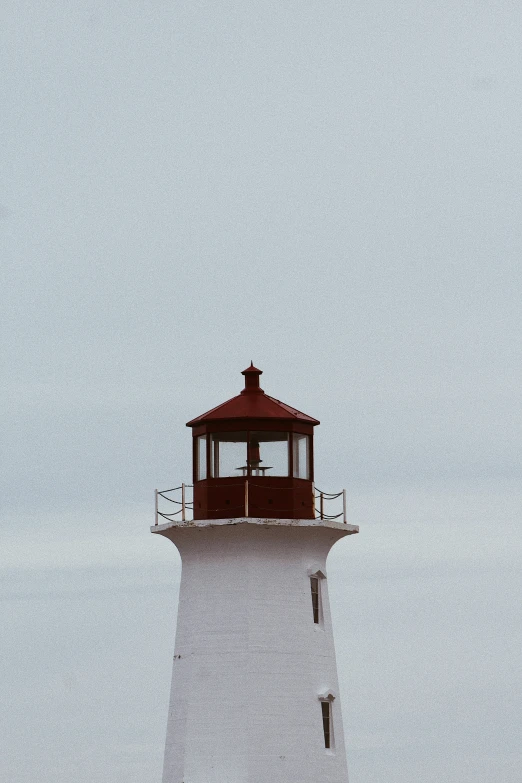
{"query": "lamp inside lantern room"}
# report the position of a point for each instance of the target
(254, 456)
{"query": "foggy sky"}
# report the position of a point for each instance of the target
(332, 190)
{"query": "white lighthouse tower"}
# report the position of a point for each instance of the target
(255, 697)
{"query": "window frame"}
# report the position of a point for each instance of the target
(200, 439)
(214, 451)
(295, 455)
(288, 443)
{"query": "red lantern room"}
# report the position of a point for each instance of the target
(253, 457)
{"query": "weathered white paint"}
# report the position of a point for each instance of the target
(250, 665)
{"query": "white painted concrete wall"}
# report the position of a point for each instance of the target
(250, 665)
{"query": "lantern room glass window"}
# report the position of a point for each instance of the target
(301, 455)
(201, 457)
(249, 453)
(228, 454)
(268, 454)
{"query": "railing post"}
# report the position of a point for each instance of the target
(321, 504)
(344, 506)
(313, 500)
(182, 502)
(246, 497)
(155, 507)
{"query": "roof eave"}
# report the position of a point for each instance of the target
(204, 420)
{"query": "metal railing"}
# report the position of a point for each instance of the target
(187, 506)
(326, 498)
(184, 504)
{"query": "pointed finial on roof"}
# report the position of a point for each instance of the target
(252, 380)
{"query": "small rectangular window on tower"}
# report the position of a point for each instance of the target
(326, 709)
(314, 585)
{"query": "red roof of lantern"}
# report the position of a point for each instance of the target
(252, 403)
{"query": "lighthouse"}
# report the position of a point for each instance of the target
(255, 695)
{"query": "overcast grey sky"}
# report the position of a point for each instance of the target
(334, 191)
